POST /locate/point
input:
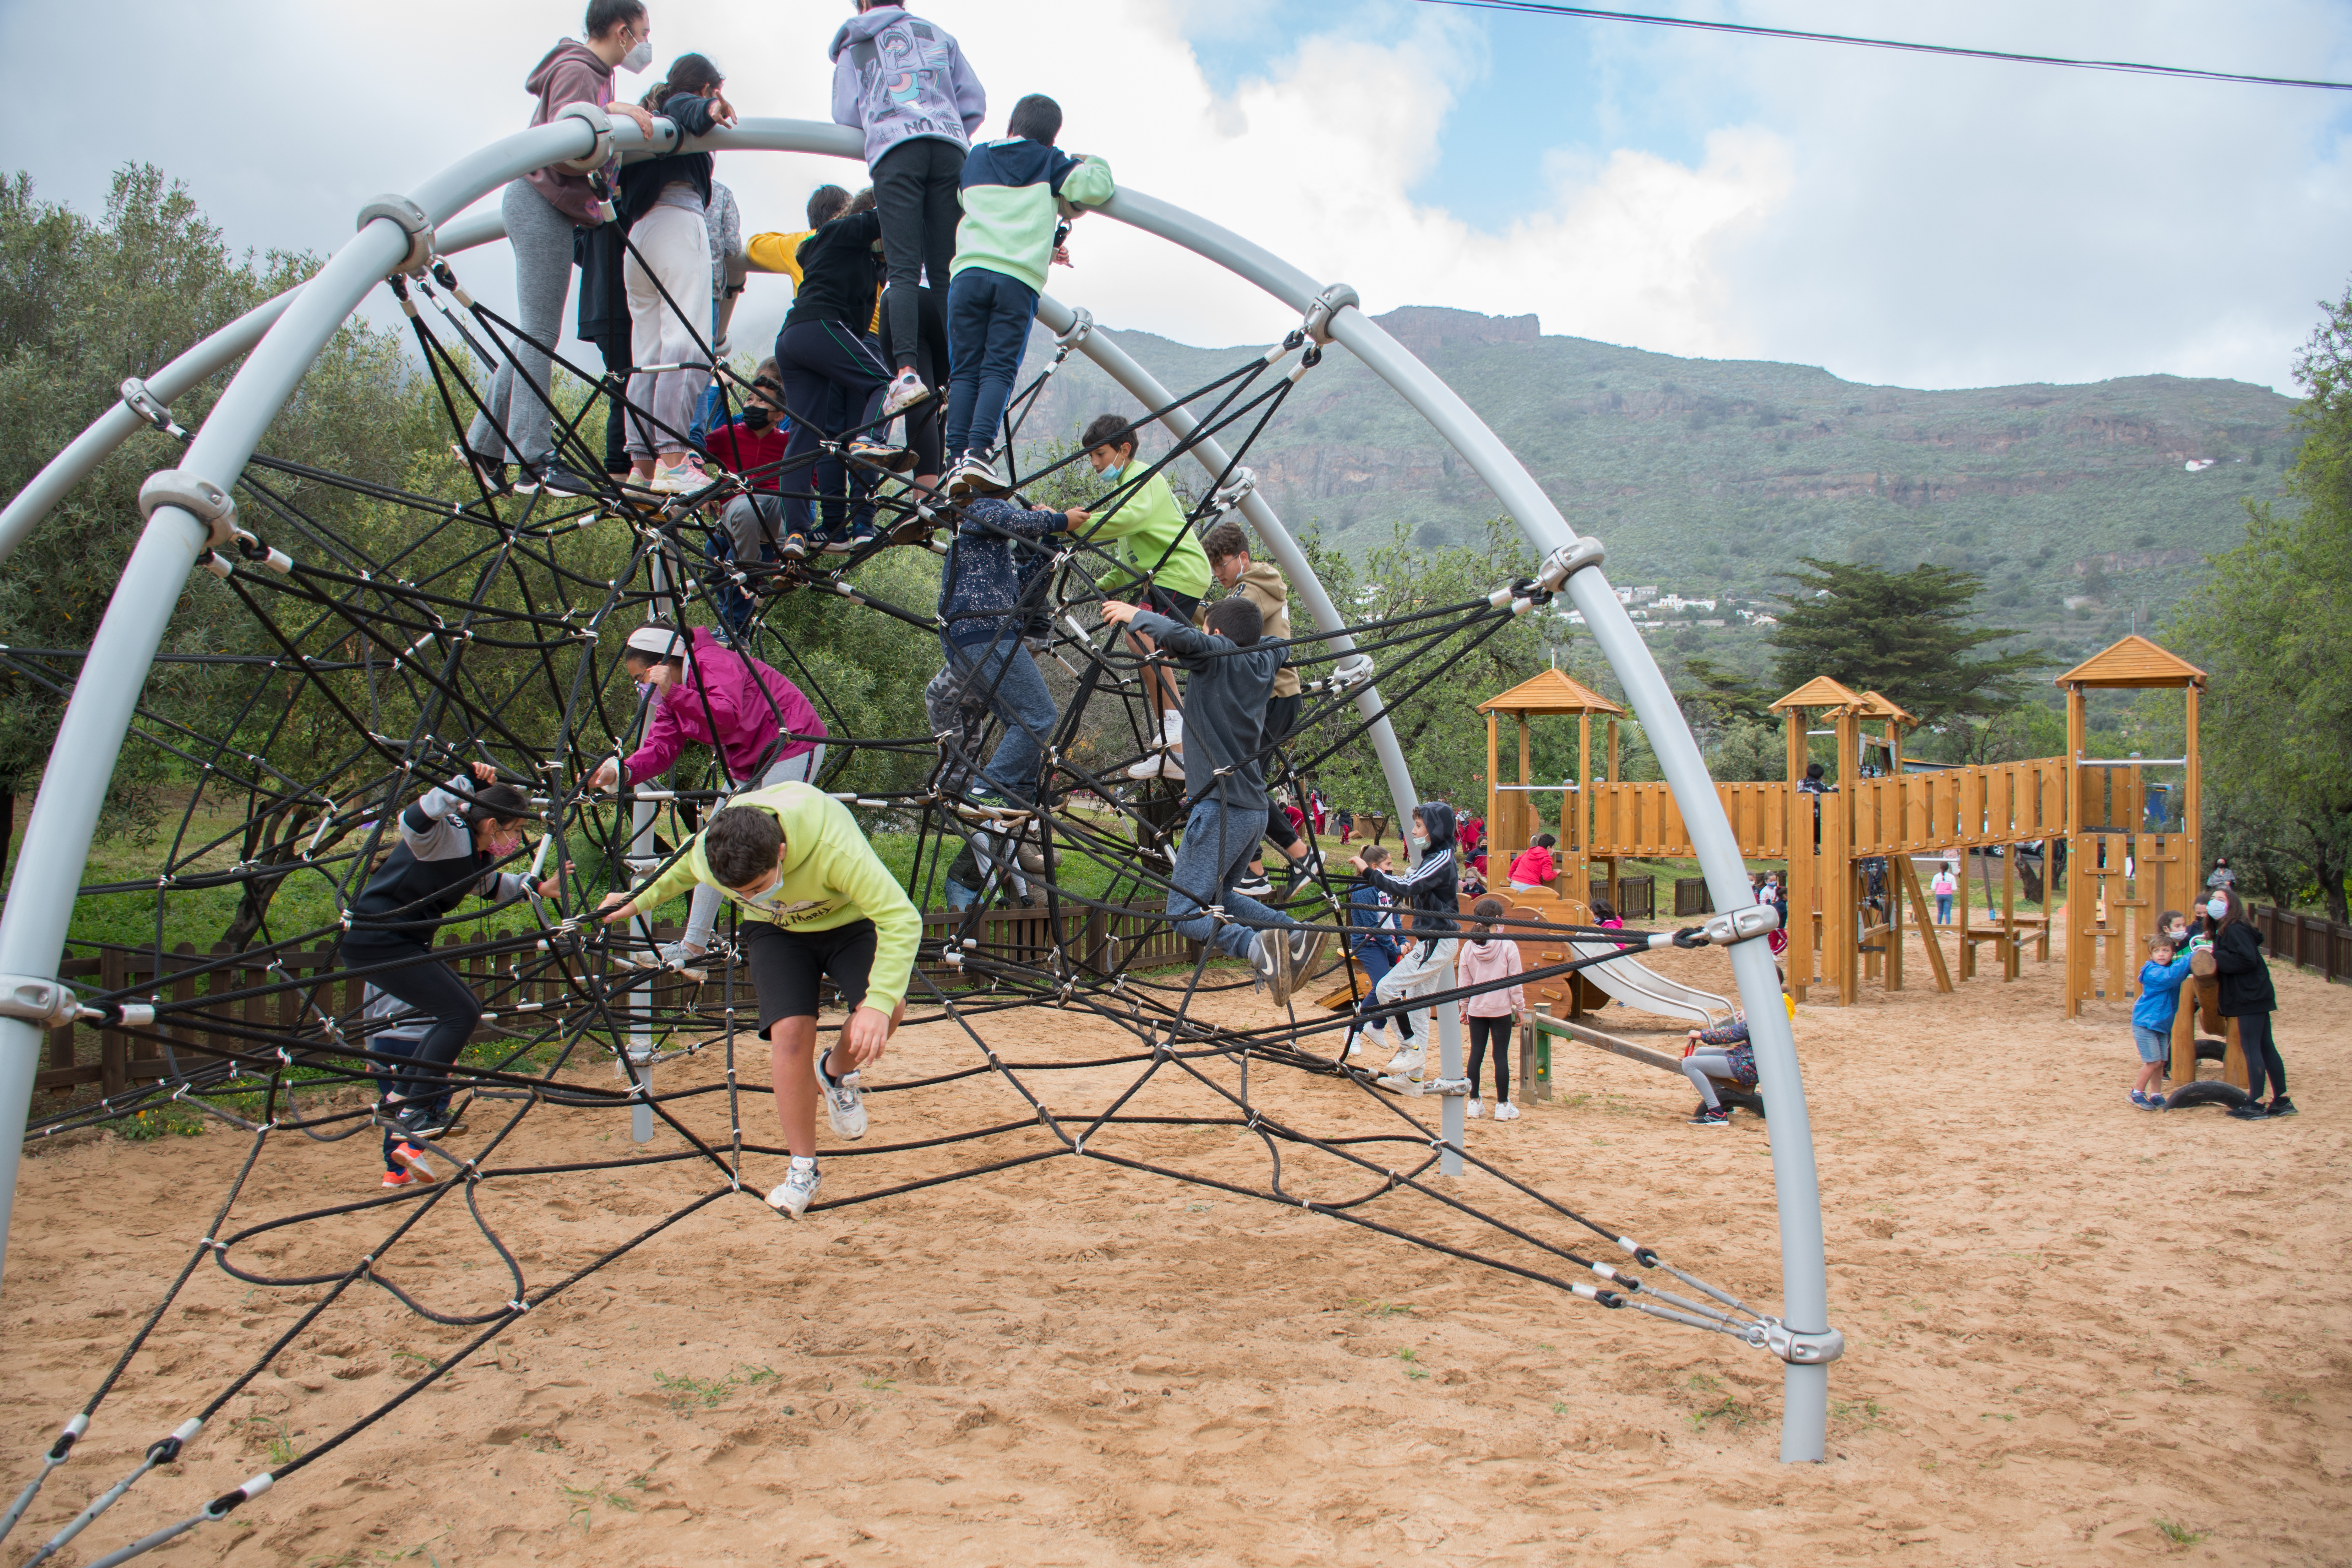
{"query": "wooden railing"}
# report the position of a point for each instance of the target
(2307, 942)
(78, 1055)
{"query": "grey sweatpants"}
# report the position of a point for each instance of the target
(542, 238)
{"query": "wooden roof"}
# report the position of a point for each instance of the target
(1551, 692)
(2134, 663)
(1821, 692)
(1875, 706)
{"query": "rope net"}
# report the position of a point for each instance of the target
(404, 636)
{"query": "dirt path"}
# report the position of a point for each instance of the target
(2067, 1320)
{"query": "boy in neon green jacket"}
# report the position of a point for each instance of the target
(1161, 567)
(813, 900)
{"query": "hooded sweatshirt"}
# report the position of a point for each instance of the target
(742, 701)
(2159, 993)
(831, 879)
(1145, 525)
(430, 871)
(898, 77)
(1015, 194)
(1262, 585)
(1224, 709)
(569, 74)
(2245, 979)
(1482, 963)
(1433, 888)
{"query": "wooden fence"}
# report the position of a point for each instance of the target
(114, 1060)
(2307, 942)
(1637, 897)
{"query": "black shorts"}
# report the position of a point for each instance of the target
(1176, 606)
(785, 966)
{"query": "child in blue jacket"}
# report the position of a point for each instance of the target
(2152, 1016)
(1015, 193)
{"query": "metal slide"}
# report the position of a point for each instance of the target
(1635, 984)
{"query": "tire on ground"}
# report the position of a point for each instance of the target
(2204, 1091)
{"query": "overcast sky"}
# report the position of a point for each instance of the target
(1914, 221)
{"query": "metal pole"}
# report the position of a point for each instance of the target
(1103, 349)
(28, 506)
(48, 869)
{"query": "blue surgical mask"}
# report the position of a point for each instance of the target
(2217, 908)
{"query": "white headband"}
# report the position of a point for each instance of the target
(659, 641)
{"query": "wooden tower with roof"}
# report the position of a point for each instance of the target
(1822, 878)
(2133, 848)
(1513, 812)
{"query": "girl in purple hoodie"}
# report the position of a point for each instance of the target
(540, 211)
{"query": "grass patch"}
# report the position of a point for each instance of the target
(174, 1120)
(2178, 1535)
(1410, 1359)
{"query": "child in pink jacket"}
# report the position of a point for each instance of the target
(1484, 958)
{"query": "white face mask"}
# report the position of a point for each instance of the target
(644, 691)
(2217, 908)
(638, 60)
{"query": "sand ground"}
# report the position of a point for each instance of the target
(2077, 1333)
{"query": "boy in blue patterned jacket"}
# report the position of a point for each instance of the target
(983, 596)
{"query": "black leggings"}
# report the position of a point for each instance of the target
(2261, 1056)
(828, 372)
(917, 197)
(615, 346)
(1498, 1030)
(432, 988)
(927, 421)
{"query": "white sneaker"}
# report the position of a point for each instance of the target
(907, 389)
(1506, 1111)
(845, 1103)
(1254, 887)
(975, 476)
(682, 477)
(1406, 1063)
(1474, 1110)
(1270, 957)
(668, 955)
(797, 1190)
(1160, 764)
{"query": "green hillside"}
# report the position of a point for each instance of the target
(1709, 478)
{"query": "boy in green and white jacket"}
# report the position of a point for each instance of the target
(1015, 194)
(813, 900)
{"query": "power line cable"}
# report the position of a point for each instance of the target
(1537, 7)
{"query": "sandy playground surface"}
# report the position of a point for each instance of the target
(2075, 1332)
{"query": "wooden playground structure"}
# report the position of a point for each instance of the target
(1847, 848)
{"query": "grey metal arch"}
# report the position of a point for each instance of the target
(65, 812)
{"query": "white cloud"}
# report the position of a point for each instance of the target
(1921, 221)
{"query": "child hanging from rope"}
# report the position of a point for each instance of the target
(1226, 548)
(765, 730)
(1232, 677)
(1433, 889)
(451, 840)
(1164, 568)
(1372, 943)
(1015, 192)
(2152, 1014)
(814, 902)
(1489, 1016)
(1723, 1052)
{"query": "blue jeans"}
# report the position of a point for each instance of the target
(988, 331)
(1004, 676)
(1218, 841)
(1943, 909)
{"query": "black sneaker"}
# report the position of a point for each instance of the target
(489, 472)
(426, 1122)
(1711, 1116)
(2281, 1106)
(794, 547)
(1254, 887)
(550, 475)
(2250, 1111)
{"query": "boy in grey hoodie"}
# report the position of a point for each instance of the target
(904, 83)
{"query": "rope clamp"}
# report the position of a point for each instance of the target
(1568, 560)
(1352, 673)
(1450, 1087)
(1798, 1349)
(1235, 490)
(600, 124)
(196, 495)
(1742, 925)
(1081, 326)
(413, 223)
(147, 406)
(49, 1003)
(1316, 323)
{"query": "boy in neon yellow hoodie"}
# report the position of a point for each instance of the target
(813, 900)
(1161, 565)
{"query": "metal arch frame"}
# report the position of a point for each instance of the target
(286, 335)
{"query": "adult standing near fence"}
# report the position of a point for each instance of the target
(2248, 996)
(540, 210)
(2221, 876)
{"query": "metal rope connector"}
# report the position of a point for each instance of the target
(413, 222)
(1081, 326)
(49, 1003)
(1567, 562)
(1316, 323)
(196, 495)
(147, 406)
(1795, 1348)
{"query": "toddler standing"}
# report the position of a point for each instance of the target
(2152, 1016)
